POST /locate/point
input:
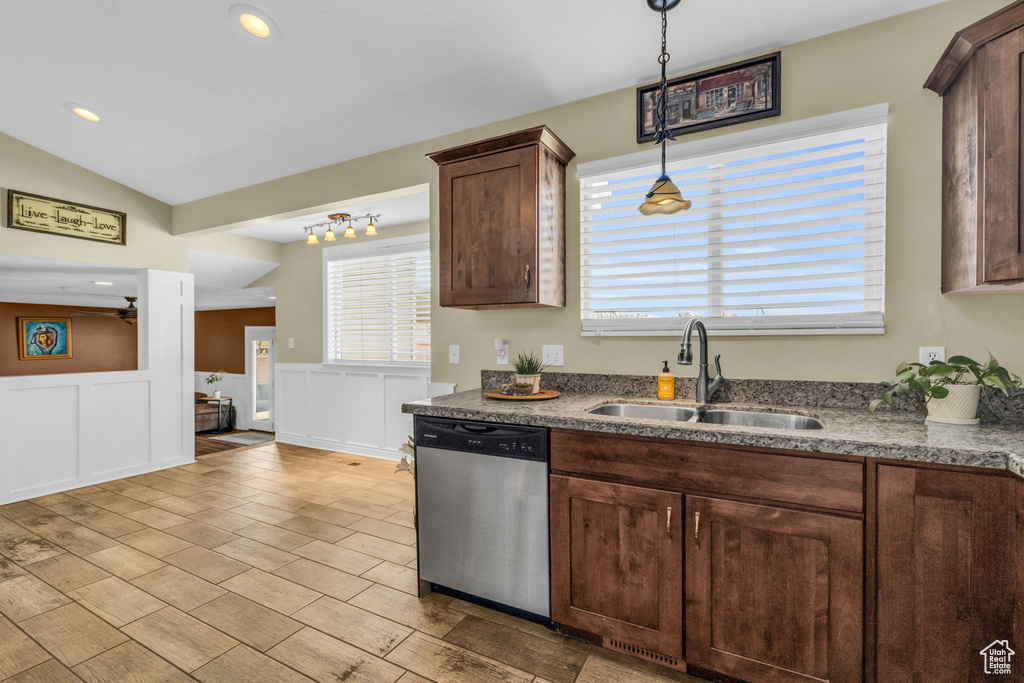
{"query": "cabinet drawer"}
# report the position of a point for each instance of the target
(692, 466)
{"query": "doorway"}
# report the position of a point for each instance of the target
(259, 374)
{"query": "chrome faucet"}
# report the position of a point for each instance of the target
(706, 387)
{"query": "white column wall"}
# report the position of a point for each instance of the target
(60, 432)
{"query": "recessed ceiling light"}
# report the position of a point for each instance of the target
(81, 111)
(255, 22)
(103, 283)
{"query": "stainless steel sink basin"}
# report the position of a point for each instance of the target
(769, 420)
(724, 417)
(643, 411)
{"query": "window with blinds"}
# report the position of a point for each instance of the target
(786, 234)
(378, 307)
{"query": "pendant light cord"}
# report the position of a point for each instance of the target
(663, 97)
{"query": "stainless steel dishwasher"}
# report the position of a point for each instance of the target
(482, 511)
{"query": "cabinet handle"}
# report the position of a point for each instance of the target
(526, 277)
(696, 528)
(668, 522)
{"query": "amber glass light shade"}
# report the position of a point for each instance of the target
(329, 236)
(312, 239)
(664, 197)
(371, 229)
(350, 232)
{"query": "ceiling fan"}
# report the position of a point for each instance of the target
(129, 314)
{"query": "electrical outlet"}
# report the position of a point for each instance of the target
(453, 354)
(501, 354)
(927, 354)
(552, 355)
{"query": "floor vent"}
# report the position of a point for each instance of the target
(643, 653)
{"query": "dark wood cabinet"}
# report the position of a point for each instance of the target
(502, 222)
(617, 565)
(979, 79)
(948, 579)
(773, 594)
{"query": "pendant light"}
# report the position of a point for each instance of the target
(349, 231)
(664, 197)
(329, 236)
(371, 229)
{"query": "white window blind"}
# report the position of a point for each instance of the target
(786, 234)
(378, 307)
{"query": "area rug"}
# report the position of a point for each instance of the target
(245, 438)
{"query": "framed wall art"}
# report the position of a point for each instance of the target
(44, 338)
(37, 213)
(734, 93)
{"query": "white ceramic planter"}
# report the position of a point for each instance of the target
(216, 394)
(960, 407)
(527, 379)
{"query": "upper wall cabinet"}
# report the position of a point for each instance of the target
(980, 80)
(502, 221)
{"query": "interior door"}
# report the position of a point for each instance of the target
(616, 565)
(259, 375)
(773, 594)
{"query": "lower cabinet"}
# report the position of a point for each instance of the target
(773, 594)
(948, 583)
(617, 565)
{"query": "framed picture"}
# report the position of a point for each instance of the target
(37, 213)
(734, 93)
(44, 338)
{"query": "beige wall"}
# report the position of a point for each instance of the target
(150, 243)
(886, 61)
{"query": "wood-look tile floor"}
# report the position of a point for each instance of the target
(272, 563)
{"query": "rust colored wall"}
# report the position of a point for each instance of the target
(98, 344)
(220, 337)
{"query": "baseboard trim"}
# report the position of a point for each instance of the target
(339, 446)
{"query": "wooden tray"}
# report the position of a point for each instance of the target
(544, 395)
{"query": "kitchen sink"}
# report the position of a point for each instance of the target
(724, 417)
(751, 419)
(644, 411)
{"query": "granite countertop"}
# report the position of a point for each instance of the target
(892, 434)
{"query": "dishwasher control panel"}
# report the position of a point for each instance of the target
(484, 438)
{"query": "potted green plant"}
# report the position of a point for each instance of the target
(528, 369)
(215, 378)
(948, 391)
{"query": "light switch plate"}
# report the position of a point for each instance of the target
(291, 342)
(929, 353)
(551, 354)
(453, 354)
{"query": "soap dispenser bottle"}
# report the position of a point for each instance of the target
(666, 384)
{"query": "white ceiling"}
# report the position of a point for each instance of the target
(28, 280)
(192, 106)
(411, 208)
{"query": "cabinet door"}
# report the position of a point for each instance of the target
(1001, 237)
(616, 563)
(946, 573)
(773, 594)
(488, 240)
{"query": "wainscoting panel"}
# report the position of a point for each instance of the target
(121, 426)
(325, 411)
(38, 441)
(350, 408)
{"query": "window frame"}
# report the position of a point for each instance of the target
(391, 246)
(724, 144)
